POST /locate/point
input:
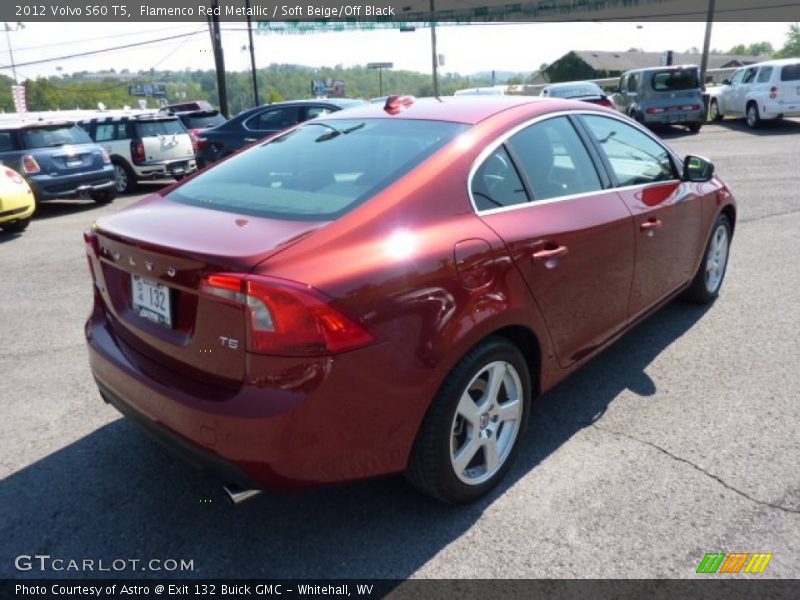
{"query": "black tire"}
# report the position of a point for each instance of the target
(17, 226)
(713, 111)
(430, 467)
(126, 181)
(104, 196)
(700, 291)
(694, 127)
(752, 116)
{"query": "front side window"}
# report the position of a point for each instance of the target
(54, 136)
(737, 77)
(635, 157)
(633, 82)
(554, 159)
(749, 75)
(496, 183)
(319, 171)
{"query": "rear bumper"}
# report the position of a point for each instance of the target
(675, 117)
(297, 422)
(166, 168)
(16, 207)
(772, 110)
(49, 187)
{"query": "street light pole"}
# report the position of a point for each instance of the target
(219, 59)
(434, 54)
(252, 53)
(707, 43)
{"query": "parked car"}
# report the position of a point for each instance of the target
(384, 289)
(256, 123)
(662, 96)
(16, 201)
(768, 90)
(145, 146)
(58, 160)
(587, 91)
(189, 106)
(197, 122)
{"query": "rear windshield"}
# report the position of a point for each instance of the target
(574, 91)
(319, 171)
(162, 127)
(677, 79)
(202, 120)
(790, 73)
(57, 135)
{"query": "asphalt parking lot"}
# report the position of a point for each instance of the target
(680, 440)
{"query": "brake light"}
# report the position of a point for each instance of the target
(773, 92)
(14, 176)
(137, 151)
(604, 102)
(90, 237)
(396, 104)
(287, 318)
(655, 111)
(106, 157)
(197, 141)
(29, 164)
(690, 107)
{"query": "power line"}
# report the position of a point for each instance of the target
(94, 39)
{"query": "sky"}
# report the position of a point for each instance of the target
(466, 49)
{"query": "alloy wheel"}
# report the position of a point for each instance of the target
(121, 181)
(717, 259)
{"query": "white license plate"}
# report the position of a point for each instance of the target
(151, 300)
(74, 162)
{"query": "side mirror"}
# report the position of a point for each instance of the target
(726, 82)
(697, 168)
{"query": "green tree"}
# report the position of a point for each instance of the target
(756, 49)
(791, 48)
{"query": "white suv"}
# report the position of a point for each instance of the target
(768, 90)
(147, 146)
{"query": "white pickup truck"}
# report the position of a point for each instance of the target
(767, 90)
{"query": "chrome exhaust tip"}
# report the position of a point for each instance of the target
(237, 495)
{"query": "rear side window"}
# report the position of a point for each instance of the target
(319, 171)
(8, 141)
(57, 135)
(634, 157)
(790, 73)
(156, 128)
(104, 132)
(764, 74)
(675, 79)
(554, 159)
(496, 183)
(274, 120)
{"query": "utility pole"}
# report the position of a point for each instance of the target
(10, 51)
(219, 59)
(434, 54)
(707, 43)
(252, 53)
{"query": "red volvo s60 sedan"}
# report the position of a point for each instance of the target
(385, 289)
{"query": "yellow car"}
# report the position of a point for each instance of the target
(16, 201)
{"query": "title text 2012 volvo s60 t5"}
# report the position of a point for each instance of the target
(385, 289)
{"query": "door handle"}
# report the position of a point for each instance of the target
(650, 225)
(550, 253)
(248, 140)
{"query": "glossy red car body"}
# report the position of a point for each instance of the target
(425, 275)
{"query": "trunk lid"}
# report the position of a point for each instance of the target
(153, 268)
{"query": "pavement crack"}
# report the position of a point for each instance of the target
(719, 480)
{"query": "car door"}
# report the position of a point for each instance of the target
(729, 94)
(571, 238)
(620, 97)
(667, 214)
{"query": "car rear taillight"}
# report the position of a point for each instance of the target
(773, 92)
(655, 111)
(396, 104)
(92, 249)
(137, 151)
(106, 157)
(14, 176)
(604, 102)
(287, 318)
(197, 140)
(690, 107)
(29, 164)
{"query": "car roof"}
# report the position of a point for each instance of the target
(141, 118)
(662, 68)
(35, 124)
(459, 109)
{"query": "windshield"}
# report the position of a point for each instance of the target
(202, 120)
(574, 91)
(162, 127)
(319, 171)
(676, 79)
(57, 135)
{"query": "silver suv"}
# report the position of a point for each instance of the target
(146, 146)
(662, 96)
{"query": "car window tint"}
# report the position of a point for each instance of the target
(553, 157)
(319, 171)
(496, 182)
(749, 75)
(156, 128)
(312, 112)
(7, 141)
(635, 157)
(104, 132)
(764, 74)
(202, 120)
(274, 120)
(675, 79)
(790, 73)
(56, 135)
